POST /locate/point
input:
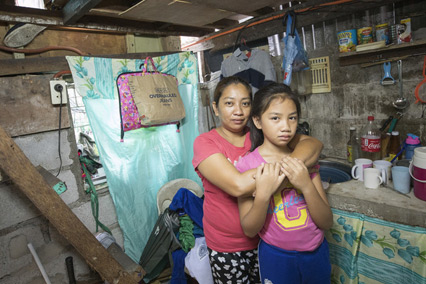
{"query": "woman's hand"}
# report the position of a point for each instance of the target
(296, 171)
(268, 179)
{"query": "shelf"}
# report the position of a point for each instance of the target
(389, 53)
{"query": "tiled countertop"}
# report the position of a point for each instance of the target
(383, 203)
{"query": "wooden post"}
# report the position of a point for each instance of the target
(18, 167)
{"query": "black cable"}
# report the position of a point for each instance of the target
(59, 88)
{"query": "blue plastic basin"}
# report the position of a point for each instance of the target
(334, 172)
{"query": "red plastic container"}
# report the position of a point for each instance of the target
(418, 172)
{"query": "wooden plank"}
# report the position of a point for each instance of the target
(75, 9)
(20, 170)
(383, 54)
(176, 12)
(58, 63)
(26, 106)
(53, 20)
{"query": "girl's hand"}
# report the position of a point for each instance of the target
(296, 171)
(268, 178)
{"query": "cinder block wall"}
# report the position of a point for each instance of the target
(356, 91)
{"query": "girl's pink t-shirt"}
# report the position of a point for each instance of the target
(288, 224)
(221, 221)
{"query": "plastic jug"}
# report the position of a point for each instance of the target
(417, 171)
(411, 143)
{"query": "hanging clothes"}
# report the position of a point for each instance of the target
(257, 69)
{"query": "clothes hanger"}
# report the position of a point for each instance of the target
(243, 45)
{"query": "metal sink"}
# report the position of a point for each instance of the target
(334, 172)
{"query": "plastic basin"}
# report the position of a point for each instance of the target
(334, 172)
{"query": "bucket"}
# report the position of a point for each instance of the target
(418, 172)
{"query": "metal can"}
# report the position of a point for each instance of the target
(347, 40)
(382, 33)
(365, 35)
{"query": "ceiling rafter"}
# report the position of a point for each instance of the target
(76, 9)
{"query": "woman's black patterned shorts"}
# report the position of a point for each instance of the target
(234, 267)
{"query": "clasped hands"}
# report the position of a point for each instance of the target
(271, 177)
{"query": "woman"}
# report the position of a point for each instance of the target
(233, 255)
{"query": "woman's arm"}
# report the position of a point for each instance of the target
(306, 148)
(312, 190)
(222, 173)
(253, 210)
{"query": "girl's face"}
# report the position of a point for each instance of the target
(279, 122)
(234, 107)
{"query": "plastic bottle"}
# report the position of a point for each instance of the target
(352, 146)
(370, 141)
(394, 145)
(411, 142)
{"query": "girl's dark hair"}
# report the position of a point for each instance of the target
(225, 82)
(262, 100)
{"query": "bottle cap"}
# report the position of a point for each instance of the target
(370, 117)
(412, 139)
(395, 133)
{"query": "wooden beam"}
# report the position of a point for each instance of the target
(58, 63)
(75, 9)
(18, 167)
(94, 22)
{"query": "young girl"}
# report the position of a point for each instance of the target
(290, 221)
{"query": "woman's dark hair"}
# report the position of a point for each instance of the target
(225, 82)
(262, 100)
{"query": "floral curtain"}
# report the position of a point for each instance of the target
(147, 158)
(369, 250)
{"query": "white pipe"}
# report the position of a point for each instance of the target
(39, 264)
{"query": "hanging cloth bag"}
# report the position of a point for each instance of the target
(149, 98)
(156, 97)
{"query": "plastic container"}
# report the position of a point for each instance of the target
(418, 172)
(411, 143)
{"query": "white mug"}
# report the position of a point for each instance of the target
(358, 169)
(373, 178)
(384, 166)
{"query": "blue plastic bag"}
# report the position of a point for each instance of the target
(295, 56)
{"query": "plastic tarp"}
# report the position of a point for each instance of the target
(148, 157)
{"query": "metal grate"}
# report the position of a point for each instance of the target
(320, 68)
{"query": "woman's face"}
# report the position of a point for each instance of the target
(234, 107)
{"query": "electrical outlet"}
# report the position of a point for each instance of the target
(56, 87)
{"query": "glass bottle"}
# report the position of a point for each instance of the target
(352, 146)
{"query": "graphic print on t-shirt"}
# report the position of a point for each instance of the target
(290, 210)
